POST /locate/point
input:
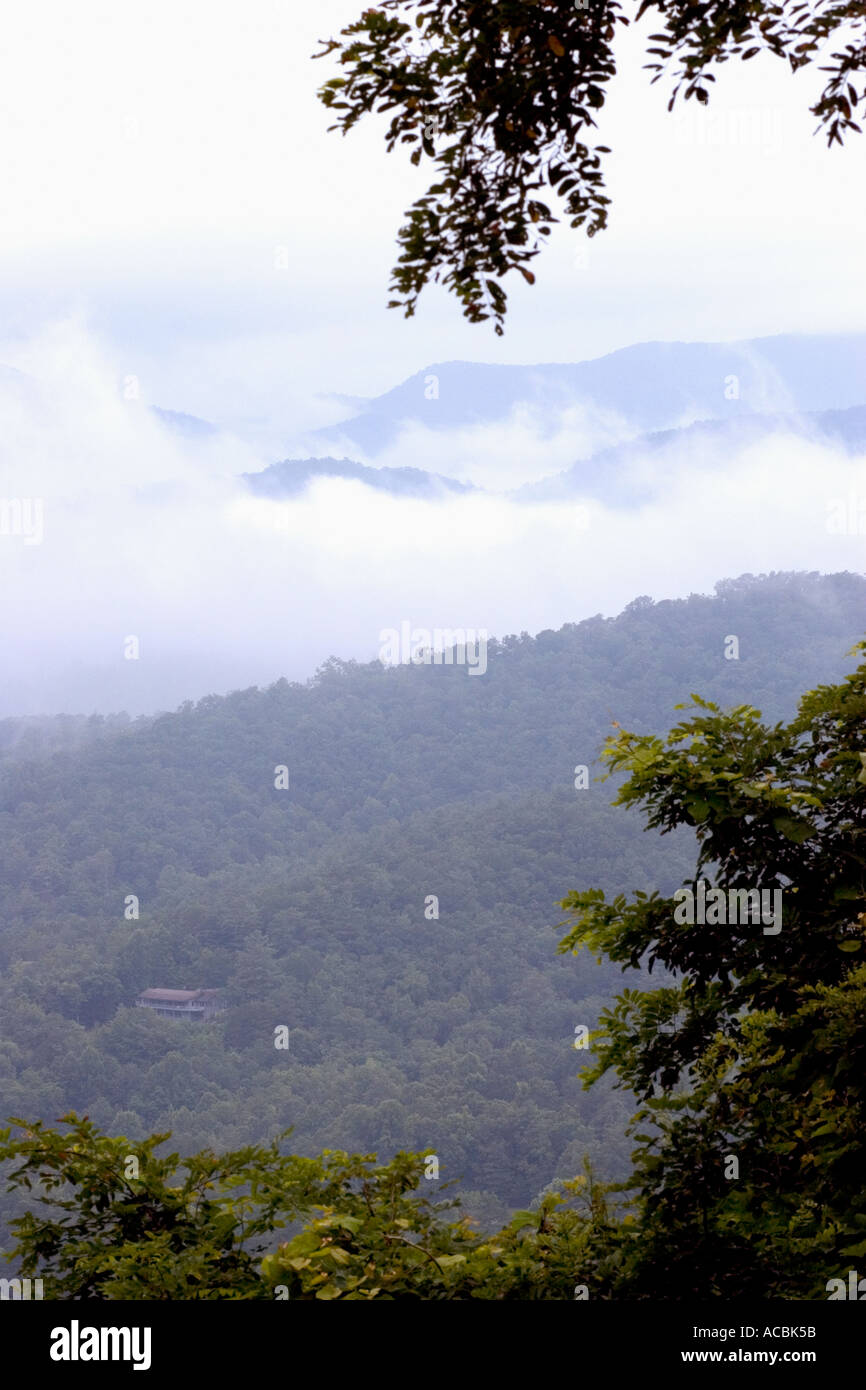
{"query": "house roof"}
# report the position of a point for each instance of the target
(173, 996)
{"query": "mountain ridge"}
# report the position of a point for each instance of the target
(647, 386)
(588, 475)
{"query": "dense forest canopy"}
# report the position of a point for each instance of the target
(307, 906)
(747, 1056)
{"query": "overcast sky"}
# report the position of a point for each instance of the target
(154, 156)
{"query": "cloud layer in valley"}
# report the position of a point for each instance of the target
(149, 534)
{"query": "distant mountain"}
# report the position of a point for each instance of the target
(292, 476)
(190, 426)
(647, 387)
(608, 475)
(35, 393)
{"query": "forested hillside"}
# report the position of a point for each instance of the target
(308, 904)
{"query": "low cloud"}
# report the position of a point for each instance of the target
(150, 535)
(530, 444)
(532, 441)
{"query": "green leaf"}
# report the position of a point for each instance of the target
(796, 830)
(521, 1219)
(348, 1223)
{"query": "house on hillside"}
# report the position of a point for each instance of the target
(190, 1004)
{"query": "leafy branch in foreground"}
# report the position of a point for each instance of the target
(204, 1227)
(751, 1059)
(503, 99)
